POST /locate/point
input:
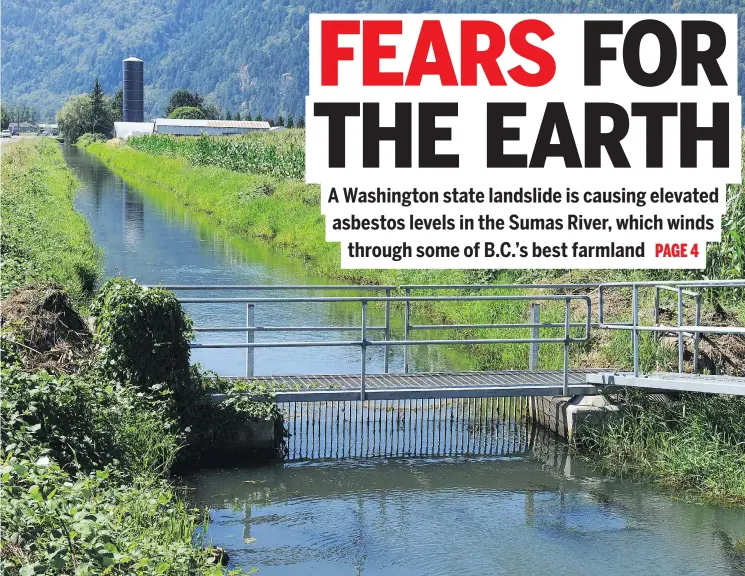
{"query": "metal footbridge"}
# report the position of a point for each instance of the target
(576, 314)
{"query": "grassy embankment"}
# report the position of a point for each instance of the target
(86, 452)
(250, 187)
(43, 237)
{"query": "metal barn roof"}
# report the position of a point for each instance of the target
(253, 124)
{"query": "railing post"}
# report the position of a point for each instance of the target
(635, 331)
(696, 335)
(600, 304)
(407, 312)
(387, 329)
(363, 348)
(680, 334)
(249, 340)
(565, 387)
(656, 310)
(535, 331)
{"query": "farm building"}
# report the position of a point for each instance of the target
(126, 129)
(22, 127)
(209, 127)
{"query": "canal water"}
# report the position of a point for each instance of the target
(438, 489)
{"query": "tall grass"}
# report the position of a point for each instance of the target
(43, 238)
(695, 444)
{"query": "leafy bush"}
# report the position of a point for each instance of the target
(55, 523)
(187, 113)
(89, 138)
(142, 335)
(85, 423)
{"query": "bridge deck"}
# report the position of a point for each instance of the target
(427, 385)
(707, 383)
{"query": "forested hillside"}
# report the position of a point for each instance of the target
(245, 55)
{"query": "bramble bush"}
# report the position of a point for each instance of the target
(142, 335)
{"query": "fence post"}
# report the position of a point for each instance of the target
(249, 340)
(363, 348)
(387, 329)
(696, 335)
(635, 331)
(680, 333)
(600, 304)
(535, 331)
(407, 312)
(656, 310)
(565, 387)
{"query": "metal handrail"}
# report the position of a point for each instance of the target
(678, 287)
(387, 342)
(681, 330)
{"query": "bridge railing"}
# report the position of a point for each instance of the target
(364, 341)
(682, 289)
(250, 328)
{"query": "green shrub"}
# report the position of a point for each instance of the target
(187, 113)
(89, 138)
(55, 523)
(142, 335)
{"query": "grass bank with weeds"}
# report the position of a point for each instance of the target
(91, 424)
(43, 237)
(693, 444)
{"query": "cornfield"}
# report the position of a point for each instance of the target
(280, 154)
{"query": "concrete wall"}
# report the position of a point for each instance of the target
(563, 415)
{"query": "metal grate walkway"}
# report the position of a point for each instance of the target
(427, 385)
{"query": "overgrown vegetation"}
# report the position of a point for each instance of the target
(91, 425)
(695, 443)
(43, 239)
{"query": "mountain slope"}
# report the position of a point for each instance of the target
(243, 54)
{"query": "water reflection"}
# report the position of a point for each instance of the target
(145, 235)
(540, 513)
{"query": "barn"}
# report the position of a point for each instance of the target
(178, 127)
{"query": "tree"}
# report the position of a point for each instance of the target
(258, 117)
(238, 116)
(210, 111)
(301, 122)
(290, 121)
(228, 115)
(280, 121)
(187, 113)
(184, 99)
(117, 105)
(248, 116)
(74, 118)
(4, 117)
(101, 112)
